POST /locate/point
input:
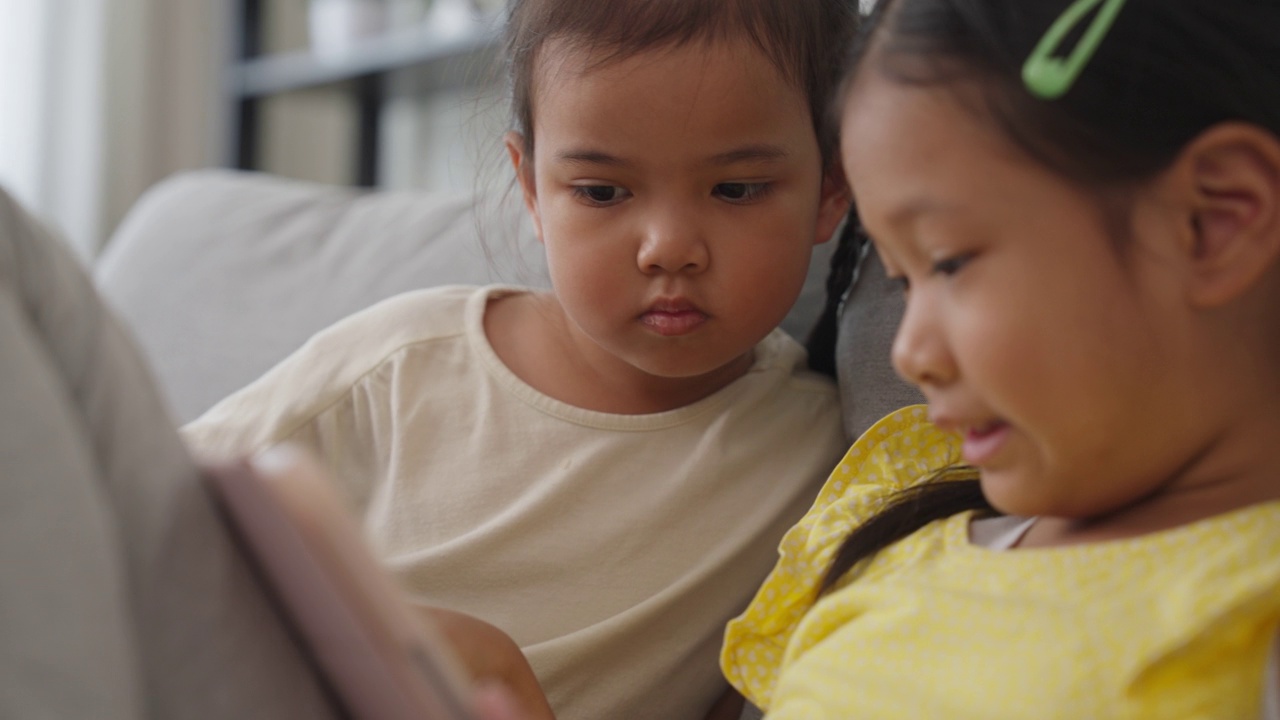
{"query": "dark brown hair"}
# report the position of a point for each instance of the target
(950, 492)
(806, 40)
(821, 343)
(1166, 71)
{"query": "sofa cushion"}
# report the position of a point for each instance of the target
(220, 274)
(869, 387)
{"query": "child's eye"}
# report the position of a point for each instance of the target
(741, 192)
(951, 265)
(601, 194)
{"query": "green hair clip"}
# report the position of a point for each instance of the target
(1050, 77)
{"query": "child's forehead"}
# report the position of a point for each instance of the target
(568, 59)
(668, 106)
(885, 116)
(691, 76)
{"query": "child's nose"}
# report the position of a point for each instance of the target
(673, 242)
(920, 352)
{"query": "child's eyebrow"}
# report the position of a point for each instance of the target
(749, 153)
(762, 152)
(590, 157)
(917, 208)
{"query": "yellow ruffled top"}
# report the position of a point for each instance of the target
(1171, 624)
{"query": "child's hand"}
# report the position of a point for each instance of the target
(493, 701)
(506, 686)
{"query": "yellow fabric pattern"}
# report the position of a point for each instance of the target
(897, 452)
(1175, 624)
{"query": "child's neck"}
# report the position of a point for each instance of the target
(529, 334)
(1144, 519)
(1237, 469)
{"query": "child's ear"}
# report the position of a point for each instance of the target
(1234, 173)
(834, 203)
(522, 163)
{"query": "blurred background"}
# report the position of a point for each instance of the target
(100, 99)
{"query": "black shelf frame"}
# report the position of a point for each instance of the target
(255, 76)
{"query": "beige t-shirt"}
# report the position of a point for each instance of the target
(613, 548)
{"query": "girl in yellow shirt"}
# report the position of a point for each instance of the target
(1081, 200)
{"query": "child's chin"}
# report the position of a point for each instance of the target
(1009, 492)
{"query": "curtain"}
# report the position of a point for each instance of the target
(101, 99)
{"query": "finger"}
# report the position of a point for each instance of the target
(493, 701)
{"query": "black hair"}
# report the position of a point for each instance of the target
(821, 341)
(948, 492)
(1166, 71)
(806, 40)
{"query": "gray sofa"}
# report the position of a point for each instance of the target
(219, 274)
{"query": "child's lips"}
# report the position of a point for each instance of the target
(673, 317)
(981, 443)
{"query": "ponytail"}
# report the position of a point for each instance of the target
(908, 511)
(821, 343)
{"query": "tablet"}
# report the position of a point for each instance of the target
(383, 660)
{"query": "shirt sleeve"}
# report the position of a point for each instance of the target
(325, 398)
(896, 453)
